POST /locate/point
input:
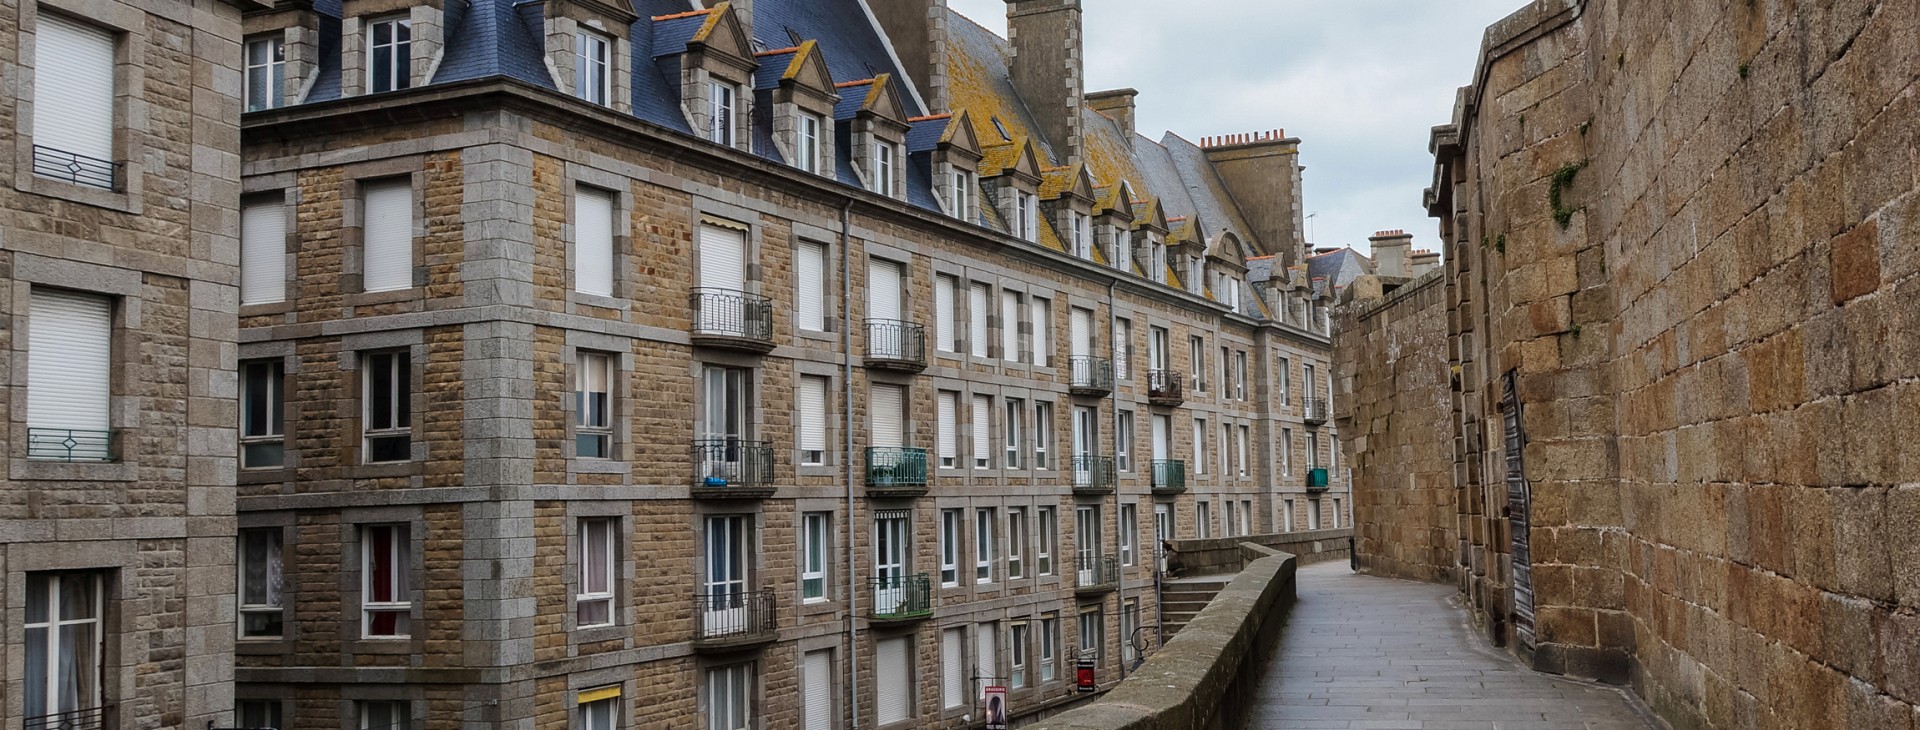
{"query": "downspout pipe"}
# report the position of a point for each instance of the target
(846, 445)
(1113, 348)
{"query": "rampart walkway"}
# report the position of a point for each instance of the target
(1365, 652)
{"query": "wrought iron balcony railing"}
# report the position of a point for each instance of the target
(78, 169)
(1169, 476)
(1164, 388)
(732, 319)
(91, 718)
(1091, 375)
(732, 467)
(896, 469)
(1093, 474)
(1096, 573)
(1315, 411)
(734, 618)
(896, 345)
(901, 597)
(68, 444)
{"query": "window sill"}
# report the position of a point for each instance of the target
(588, 465)
(597, 634)
(394, 645)
(818, 470)
(263, 645)
(70, 471)
(263, 475)
(595, 300)
(366, 299)
(381, 470)
(266, 308)
(126, 200)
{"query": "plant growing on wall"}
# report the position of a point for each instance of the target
(1563, 179)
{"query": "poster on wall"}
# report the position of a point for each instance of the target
(996, 708)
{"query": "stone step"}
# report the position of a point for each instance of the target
(1171, 607)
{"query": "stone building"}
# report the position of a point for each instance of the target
(651, 365)
(118, 284)
(1674, 354)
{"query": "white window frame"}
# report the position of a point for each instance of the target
(1122, 348)
(268, 582)
(1042, 435)
(1014, 412)
(1129, 532)
(950, 546)
(728, 692)
(1199, 447)
(399, 418)
(978, 343)
(1049, 537)
(592, 597)
(1197, 351)
(1027, 215)
(1016, 543)
(1093, 630)
(600, 714)
(816, 534)
(1203, 518)
(984, 519)
(806, 145)
(593, 67)
(1241, 436)
(593, 420)
(400, 53)
(960, 198)
(399, 553)
(1123, 440)
(980, 423)
(723, 111)
(52, 630)
(1017, 655)
(399, 713)
(886, 163)
(1286, 452)
(273, 68)
(1040, 341)
(1049, 647)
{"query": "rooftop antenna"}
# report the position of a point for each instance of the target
(1310, 237)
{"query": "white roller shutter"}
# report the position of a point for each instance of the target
(723, 258)
(943, 315)
(69, 360)
(1160, 437)
(1042, 331)
(811, 290)
(982, 419)
(813, 413)
(817, 688)
(1009, 325)
(893, 700)
(593, 241)
(978, 299)
(387, 231)
(883, 290)
(263, 252)
(949, 426)
(953, 667)
(889, 404)
(986, 655)
(1082, 332)
(73, 87)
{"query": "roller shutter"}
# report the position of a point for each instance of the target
(723, 258)
(73, 87)
(813, 413)
(1082, 332)
(593, 241)
(953, 667)
(893, 690)
(978, 299)
(387, 232)
(943, 315)
(817, 680)
(949, 427)
(69, 360)
(811, 290)
(982, 421)
(263, 252)
(883, 290)
(889, 408)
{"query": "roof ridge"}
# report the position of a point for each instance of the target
(845, 84)
(778, 51)
(931, 117)
(688, 14)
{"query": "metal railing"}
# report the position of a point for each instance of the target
(733, 617)
(1093, 472)
(1317, 480)
(1164, 388)
(1169, 475)
(1096, 572)
(68, 444)
(727, 462)
(898, 343)
(1315, 410)
(901, 597)
(92, 718)
(732, 314)
(896, 468)
(78, 169)
(1092, 374)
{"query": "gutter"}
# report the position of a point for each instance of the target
(846, 441)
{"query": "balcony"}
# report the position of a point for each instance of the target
(728, 621)
(896, 472)
(732, 320)
(896, 345)
(901, 598)
(1169, 476)
(1091, 376)
(1317, 479)
(1093, 475)
(72, 445)
(78, 169)
(1096, 574)
(1163, 388)
(1315, 411)
(729, 468)
(92, 718)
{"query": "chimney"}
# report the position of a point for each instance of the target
(1118, 106)
(1262, 170)
(917, 29)
(1424, 261)
(743, 12)
(1047, 65)
(1392, 253)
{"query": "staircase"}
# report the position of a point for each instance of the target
(1181, 600)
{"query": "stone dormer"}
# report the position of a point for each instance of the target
(802, 93)
(1226, 263)
(716, 71)
(1011, 174)
(956, 164)
(1150, 231)
(589, 52)
(1113, 227)
(877, 131)
(282, 43)
(389, 45)
(1066, 199)
(1187, 253)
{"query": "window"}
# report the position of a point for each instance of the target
(816, 689)
(807, 146)
(1010, 326)
(389, 54)
(262, 579)
(1286, 451)
(1092, 633)
(386, 599)
(893, 685)
(1082, 236)
(1122, 348)
(982, 431)
(1197, 352)
(1157, 353)
(980, 296)
(813, 420)
(1333, 451)
(1123, 441)
(1049, 647)
(1042, 434)
(1306, 382)
(1042, 342)
(884, 162)
(983, 521)
(720, 112)
(986, 657)
(598, 560)
(1026, 215)
(1286, 516)
(946, 334)
(592, 403)
(1016, 437)
(950, 547)
(1129, 532)
(69, 376)
(257, 713)
(64, 645)
(813, 559)
(263, 249)
(728, 697)
(960, 198)
(1199, 446)
(1017, 657)
(593, 227)
(262, 418)
(602, 712)
(1016, 542)
(388, 383)
(591, 78)
(1129, 625)
(1227, 525)
(1246, 517)
(1049, 529)
(1286, 376)
(949, 436)
(1336, 513)
(1086, 538)
(1313, 450)
(810, 289)
(725, 395)
(1226, 457)
(384, 715)
(953, 667)
(1240, 374)
(387, 235)
(1313, 514)
(1123, 249)
(1226, 376)
(1204, 517)
(266, 72)
(73, 110)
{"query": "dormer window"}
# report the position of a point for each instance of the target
(807, 143)
(266, 72)
(1123, 249)
(885, 162)
(722, 105)
(389, 54)
(960, 196)
(1026, 207)
(593, 80)
(1082, 236)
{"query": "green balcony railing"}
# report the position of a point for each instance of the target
(901, 597)
(1169, 475)
(1094, 573)
(1317, 479)
(1093, 474)
(68, 444)
(896, 468)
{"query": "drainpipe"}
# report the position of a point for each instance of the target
(1113, 350)
(846, 440)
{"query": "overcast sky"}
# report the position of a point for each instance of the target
(1360, 82)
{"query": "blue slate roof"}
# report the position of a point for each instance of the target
(496, 39)
(670, 36)
(925, 134)
(851, 46)
(772, 67)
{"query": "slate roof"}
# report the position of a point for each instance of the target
(1339, 268)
